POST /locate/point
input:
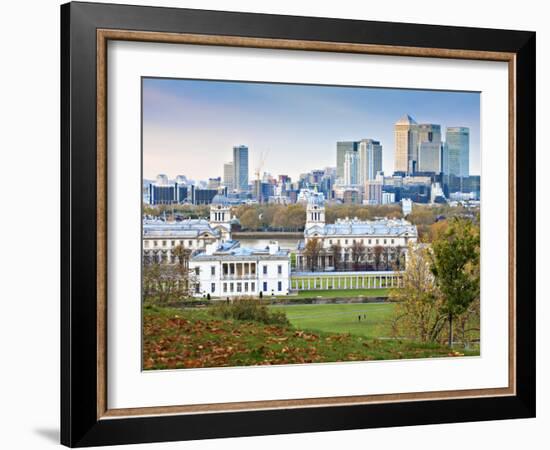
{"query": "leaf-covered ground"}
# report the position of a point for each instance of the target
(192, 338)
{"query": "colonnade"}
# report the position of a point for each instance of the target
(345, 280)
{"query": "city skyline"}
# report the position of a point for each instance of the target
(191, 126)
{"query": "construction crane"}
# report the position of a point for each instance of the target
(260, 163)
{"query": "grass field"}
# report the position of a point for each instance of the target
(342, 318)
(193, 337)
(343, 293)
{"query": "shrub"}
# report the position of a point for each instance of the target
(249, 309)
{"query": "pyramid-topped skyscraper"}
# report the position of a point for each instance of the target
(406, 140)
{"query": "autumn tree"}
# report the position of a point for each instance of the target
(311, 253)
(296, 216)
(436, 231)
(418, 312)
(268, 214)
(250, 219)
(455, 266)
(280, 219)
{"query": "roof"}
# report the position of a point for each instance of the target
(354, 227)
(230, 250)
(189, 228)
(406, 120)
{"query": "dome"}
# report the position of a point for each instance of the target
(220, 200)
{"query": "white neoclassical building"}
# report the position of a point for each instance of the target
(229, 270)
(160, 237)
(381, 239)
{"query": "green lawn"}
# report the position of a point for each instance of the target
(344, 293)
(342, 318)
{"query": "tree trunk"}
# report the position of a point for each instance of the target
(450, 330)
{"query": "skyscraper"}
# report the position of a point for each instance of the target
(429, 148)
(228, 175)
(240, 168)
(429, 157)
(373, 192)
(429, 132)
(456, 155)
(406, 140)
(350, 168)
(370, 160)
(342, 148)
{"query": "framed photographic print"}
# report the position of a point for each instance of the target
(276, 224)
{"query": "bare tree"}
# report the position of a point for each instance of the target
(336, 250)
(311, 252)
(357, 253)
(166, 283)
(398, 262)
(377, 256)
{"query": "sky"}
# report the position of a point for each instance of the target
(191, 126)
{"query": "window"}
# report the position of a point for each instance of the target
(385, 241)
(213, 287)
(190, 243)
(353, 241)
(213, 270)
(393, 241)
(280, 269)
(231, 287)
(164, 243)
(181, 243)
(146, 244)
(330, 241)
(376, 241)
(370, 241)
(197, 270)
(155, 243)
(239, 287)
(279, 286)
(265, 286)
(252, 287)
(346, 242)
(173, 243)
(246, 287)
(224, 287)
(265, 270)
